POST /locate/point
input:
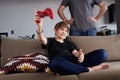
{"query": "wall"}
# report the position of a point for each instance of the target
(18, 15)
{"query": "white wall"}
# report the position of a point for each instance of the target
(18, 15)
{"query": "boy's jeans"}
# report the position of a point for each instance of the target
(69, 64)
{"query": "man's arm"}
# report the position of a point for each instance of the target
(61, 13)
(102, 10)
(39, 29)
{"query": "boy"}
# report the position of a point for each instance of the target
(64, 57)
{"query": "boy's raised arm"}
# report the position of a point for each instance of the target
(39, 22)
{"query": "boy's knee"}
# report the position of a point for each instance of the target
(103, 54)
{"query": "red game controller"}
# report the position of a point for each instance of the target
(44, 13)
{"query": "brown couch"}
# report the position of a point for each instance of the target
(14, 47)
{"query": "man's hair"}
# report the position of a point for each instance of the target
(61, 25)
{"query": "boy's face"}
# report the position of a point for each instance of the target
(61, 33)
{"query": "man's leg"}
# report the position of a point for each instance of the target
(75, 32)
(91, 32)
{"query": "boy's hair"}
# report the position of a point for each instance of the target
(61, 25)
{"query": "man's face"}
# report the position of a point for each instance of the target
(61, 33)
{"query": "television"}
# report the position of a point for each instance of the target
(112, 13)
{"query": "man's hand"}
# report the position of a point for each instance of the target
(70, 21)
(92, 19)
(81, 56)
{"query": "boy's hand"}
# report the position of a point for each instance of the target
(81, 56)
(37, 19)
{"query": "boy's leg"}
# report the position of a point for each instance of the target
(63, 67)
(95, 58)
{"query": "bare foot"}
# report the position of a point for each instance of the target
(50, 72)
(2, 72)
(99, 67)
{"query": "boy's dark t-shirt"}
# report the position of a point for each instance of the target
(55, 48)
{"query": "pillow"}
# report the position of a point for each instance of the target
(35, 62)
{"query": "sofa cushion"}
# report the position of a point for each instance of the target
(37, 76)
(113, 73)
(89, 43)
(14, 47)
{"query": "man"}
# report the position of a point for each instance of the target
(82, 22)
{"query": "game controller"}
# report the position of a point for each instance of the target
(44, 13)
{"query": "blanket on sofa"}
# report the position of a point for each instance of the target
(34, 62)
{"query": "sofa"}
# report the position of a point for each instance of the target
(10, 47)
